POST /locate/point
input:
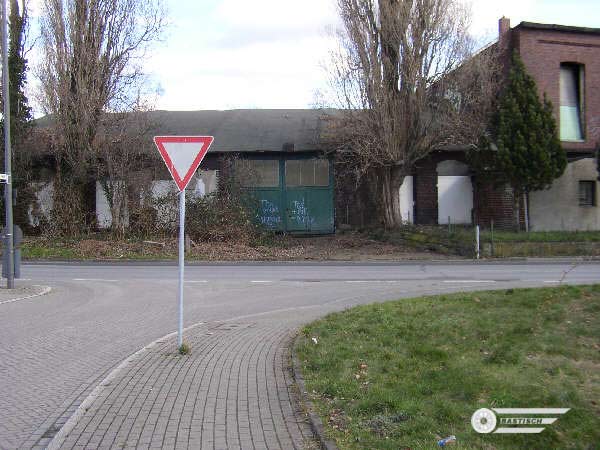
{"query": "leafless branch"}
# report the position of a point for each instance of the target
(408, 83)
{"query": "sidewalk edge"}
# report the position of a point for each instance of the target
(315, 421)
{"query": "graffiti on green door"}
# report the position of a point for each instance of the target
(269, 214)
(293, 194)
(299, 214)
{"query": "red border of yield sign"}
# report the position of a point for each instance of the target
(206, 141)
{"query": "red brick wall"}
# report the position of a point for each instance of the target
(495, 204)
(355, 205)
(425, 191)
(542, 52)
(425, 186)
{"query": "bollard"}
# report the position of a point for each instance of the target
(492, 230)
(477, 241)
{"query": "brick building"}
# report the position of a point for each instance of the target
(565, 63)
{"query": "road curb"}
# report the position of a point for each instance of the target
(315, 421)
(45, 290)
(314, 263)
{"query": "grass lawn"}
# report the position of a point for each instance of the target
(403, 374)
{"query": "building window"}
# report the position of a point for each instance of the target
(587, 193)
(261, 173)
(307, 172)
(571, 102)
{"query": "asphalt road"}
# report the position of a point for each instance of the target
(55, 348)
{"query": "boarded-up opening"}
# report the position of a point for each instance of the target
(455, 199)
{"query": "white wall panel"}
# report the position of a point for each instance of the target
(455, 199)
(406, 200)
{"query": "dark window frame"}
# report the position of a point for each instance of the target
(584, 201)
(248, 171)
(317, 178)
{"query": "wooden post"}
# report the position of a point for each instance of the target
(492, 231)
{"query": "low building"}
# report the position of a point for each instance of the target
(278, 152)
(298, 189)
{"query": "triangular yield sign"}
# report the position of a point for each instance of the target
(183, 155)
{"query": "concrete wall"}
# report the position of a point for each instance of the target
(42, 207)
(103, 214)
(205, 182)
(558, 208)
(407, 200)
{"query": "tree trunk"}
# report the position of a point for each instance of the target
(119, 207)
(117, 211)
(390, 181)
(526, 211)
(517, 209)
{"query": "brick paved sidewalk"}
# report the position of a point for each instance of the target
(234, 391)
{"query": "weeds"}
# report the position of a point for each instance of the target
(184, 349)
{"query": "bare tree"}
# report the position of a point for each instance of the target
(91, 64)
(407, 82)
(126, 153)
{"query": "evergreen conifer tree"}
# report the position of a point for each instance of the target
(20, 111)
(528, 155)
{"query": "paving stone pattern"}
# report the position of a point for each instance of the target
(56, 348)
(234, 391)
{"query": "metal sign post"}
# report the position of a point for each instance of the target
(8, 200)
(181, 263)
(182, 156)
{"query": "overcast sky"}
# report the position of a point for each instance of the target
(224, 54)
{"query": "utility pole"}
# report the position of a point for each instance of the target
(8, 238)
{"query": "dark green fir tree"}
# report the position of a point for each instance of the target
(527, 153)
(20, 111)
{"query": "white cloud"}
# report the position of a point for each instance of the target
(282, 14)
(221, 54)
(264, 53)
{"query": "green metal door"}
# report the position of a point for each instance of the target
(297, 214)
(308, 196)
(263, 180)
(293, 195)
